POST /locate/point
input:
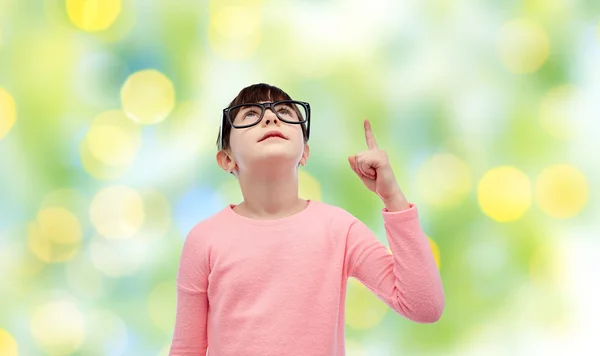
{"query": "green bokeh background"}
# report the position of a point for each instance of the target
(457, 92)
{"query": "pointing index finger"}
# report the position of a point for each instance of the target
(369, 136)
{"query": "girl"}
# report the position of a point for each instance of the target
(268, 276)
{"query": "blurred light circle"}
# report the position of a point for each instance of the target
(55, 236)
(107, 334)
(561, 191)
(59, 225)
(117, 212)
(308, 186)
(117, 258)
(230, 34)
(444, 180)
(161, 303)
(523, 46)
(8, 345)
(148, 97)
(363, 309)
(560, 109)
(93, 15)
(232, 23)
(504, 193)
(97, 169)
(58, 328)
(113, 139)
(112, 146)
(8, 112)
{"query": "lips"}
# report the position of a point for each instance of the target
(273, 133)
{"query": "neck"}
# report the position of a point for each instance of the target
(269, 194)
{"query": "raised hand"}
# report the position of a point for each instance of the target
(373, 168)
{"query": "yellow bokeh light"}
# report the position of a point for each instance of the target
(504, 193)
(523, 46)
(93, 15)
(558, 110)
(117, 212)
(95, 167)
(58, 328)
(110, 145)
(444, 180)
(113, 138)
(234, 30)
(148, 97)
(55, 236)
(8, 345)
(161, 303)
(8, 112)
(308, 186)
(363, 309)
(561, 191)
(59, 225)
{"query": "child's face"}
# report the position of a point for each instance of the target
(259, 144)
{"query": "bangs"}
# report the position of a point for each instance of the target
(259, 92)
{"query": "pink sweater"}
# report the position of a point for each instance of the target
(250, 287)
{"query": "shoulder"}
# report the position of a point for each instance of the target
(204, 230)
(333, 214)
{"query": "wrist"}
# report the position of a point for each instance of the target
(397, 202)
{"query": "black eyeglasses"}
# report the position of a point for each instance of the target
(247, 115)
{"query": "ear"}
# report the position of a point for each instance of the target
(225, 161)
(305, 155)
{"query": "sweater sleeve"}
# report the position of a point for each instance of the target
(407, 280)
(190, 334)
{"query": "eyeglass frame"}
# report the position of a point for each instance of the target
(264, 106)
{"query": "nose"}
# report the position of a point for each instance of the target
(269, 117)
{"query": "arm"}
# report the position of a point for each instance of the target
(189, 336)
(408, 281)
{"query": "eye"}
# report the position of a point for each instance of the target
(285, 111)
(250, 113)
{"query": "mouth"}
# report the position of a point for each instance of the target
(272, 135)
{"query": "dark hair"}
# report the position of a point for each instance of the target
(253, 94)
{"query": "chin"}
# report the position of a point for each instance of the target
(277, 156)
